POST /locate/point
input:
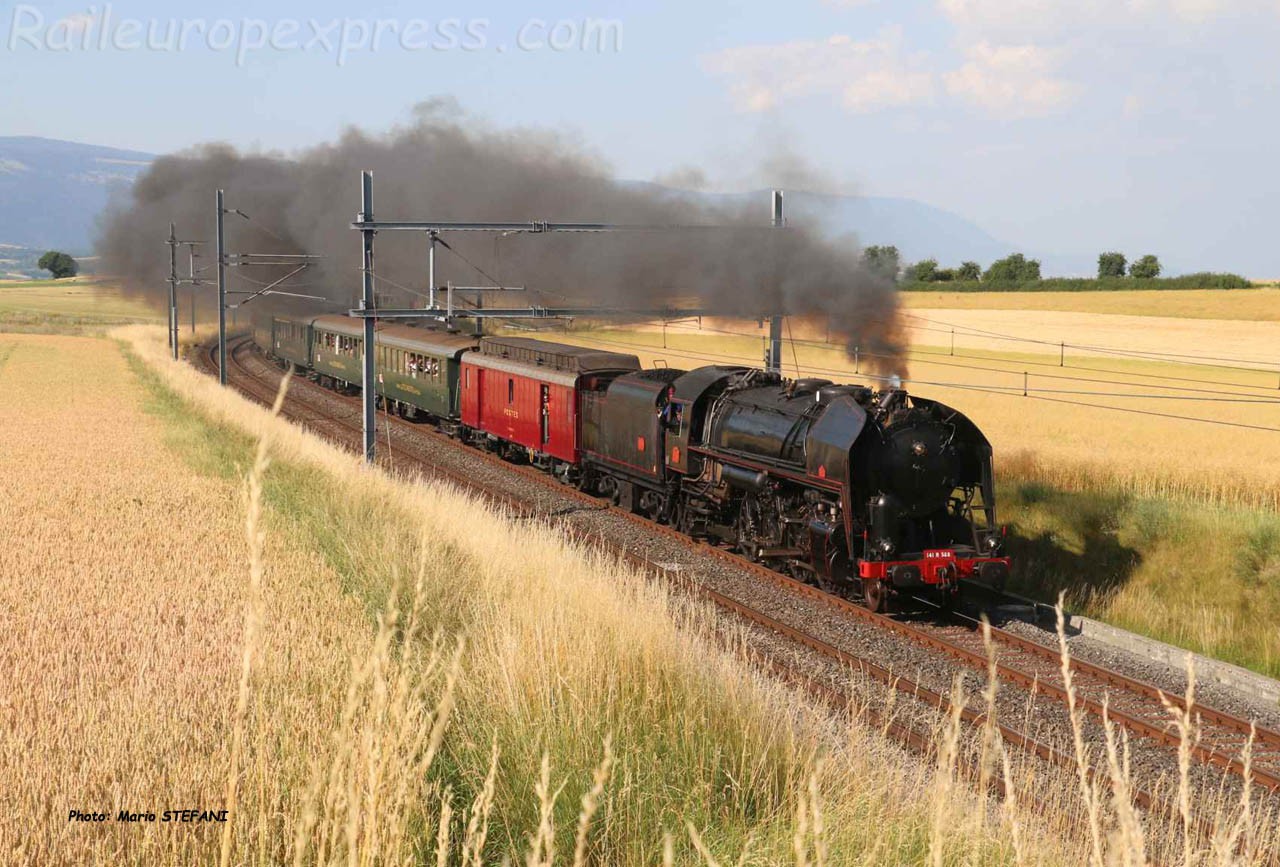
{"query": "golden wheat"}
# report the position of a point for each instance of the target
(1249, 305)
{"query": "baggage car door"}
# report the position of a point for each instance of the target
(544, 414)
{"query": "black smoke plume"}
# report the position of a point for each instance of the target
(445, 166)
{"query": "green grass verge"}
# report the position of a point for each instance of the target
(1199, 577)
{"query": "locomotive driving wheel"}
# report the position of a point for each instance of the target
(874, 595)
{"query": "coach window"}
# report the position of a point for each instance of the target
(511, 391)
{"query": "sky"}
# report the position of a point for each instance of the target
(1065, 126)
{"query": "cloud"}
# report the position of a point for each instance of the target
(864, 76)
(76, 24)
(1041, 17)
(1012, 80)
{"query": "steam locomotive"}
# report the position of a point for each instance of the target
(871, 494)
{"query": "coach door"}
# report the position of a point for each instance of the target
(544, 413)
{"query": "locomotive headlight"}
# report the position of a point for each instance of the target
(992, 543)
(886, 545)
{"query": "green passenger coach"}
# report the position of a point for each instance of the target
(337, 350)
(418, 369)
(291, 340)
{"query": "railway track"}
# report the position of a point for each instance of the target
(1127, 702)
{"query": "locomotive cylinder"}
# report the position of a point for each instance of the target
(745, 480)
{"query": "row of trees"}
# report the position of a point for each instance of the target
(886, 261)
(1112, 264)
(1017, 268)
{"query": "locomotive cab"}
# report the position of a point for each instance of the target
(626, 420)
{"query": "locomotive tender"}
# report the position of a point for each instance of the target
(866, 493)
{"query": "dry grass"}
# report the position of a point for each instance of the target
(1249, 305)
(440, 685)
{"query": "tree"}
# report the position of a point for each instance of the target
(944, 275)
(971, 271)
(1146, 268)
(924, 271)
(58, 264)
(1013, 269)
(1111, 264)
(884, 261)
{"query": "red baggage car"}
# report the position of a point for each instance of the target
(524, 392)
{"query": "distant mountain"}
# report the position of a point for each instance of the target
(51, 192)
(919, 230)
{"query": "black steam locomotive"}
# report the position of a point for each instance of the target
(865, 493)
(869, 494)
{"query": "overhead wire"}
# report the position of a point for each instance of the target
(483, 273)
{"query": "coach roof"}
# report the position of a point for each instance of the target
(556, 356)
(425, 340)
(348, 325)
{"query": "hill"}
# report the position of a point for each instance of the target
(51, 192)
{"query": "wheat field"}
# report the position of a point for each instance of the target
(1245, 305)
(81, 304)
(122, 592)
